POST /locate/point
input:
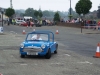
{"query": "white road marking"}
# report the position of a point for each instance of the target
(67, 54)
(11, 31)
(36, 64)
(23, 64)
(86, 62)
(57, 63)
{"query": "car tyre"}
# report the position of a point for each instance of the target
(48, 55)
(55, 52)
(22, 56)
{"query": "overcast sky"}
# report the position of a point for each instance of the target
(61, 5)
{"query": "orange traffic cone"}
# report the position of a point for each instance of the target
(97, 54)
(23, 32)
(57, 32)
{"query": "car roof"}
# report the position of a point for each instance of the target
(42, 32)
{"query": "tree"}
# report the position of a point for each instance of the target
(83, 6)
(46, 13)
(57, 17)
(36, 13)
(40, 14)
(29, 12)
(98, 13)
(10, 12)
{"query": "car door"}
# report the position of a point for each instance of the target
(52, 46)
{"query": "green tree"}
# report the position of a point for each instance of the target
(10, 12)
(57, 17)
(29, 12)
(36, 13)
(46, 13)
(83, 6)
(40, 14)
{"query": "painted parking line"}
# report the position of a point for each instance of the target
(67, 54)
(36, 64)
(85, 62)
(56, 63)
(2, 65)
(64, 55)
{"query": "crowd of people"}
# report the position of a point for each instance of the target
(44, 22)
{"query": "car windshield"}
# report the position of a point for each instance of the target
(37, 37)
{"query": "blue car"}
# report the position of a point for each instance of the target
(39, 43)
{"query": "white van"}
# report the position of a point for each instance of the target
(18, 22)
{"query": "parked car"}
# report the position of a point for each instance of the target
(26, 24)
(44, 46)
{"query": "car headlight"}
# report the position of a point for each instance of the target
(42, 46)
(22, 45)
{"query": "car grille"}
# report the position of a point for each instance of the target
(32, 50)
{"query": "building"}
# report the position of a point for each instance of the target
(2, 11)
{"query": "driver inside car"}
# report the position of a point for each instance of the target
(36, 37)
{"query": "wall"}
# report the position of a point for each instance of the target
(76, 25)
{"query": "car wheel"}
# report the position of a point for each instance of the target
(22, 56)
(55, 52)
(48, 55)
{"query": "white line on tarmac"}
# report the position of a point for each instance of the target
(23, 64)
(57, 63)
(36, 64)
(67, 54)
(2, 65)
(86, 62)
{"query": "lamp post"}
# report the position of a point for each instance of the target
(2, 18)
(70, 10)
(81, 22)
(1, 28)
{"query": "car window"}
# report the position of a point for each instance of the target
(43, 37)
(51, 37)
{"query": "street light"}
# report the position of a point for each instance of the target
(2, 11)
(81, 22)
(1, 28)
(70, 10)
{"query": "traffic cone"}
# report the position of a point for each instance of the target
(23, 32)
(57, 32)
(97, 54)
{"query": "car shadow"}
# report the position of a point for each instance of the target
(37, 57)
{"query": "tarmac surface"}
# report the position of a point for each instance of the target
(75, 53)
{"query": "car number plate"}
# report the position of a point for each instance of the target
(28, 53)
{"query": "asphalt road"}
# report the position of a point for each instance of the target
(82, 43)
(75, 53)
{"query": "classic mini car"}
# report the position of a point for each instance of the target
(40, 43)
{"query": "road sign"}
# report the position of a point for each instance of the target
(1, 29)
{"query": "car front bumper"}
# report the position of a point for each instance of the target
(32, 51)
